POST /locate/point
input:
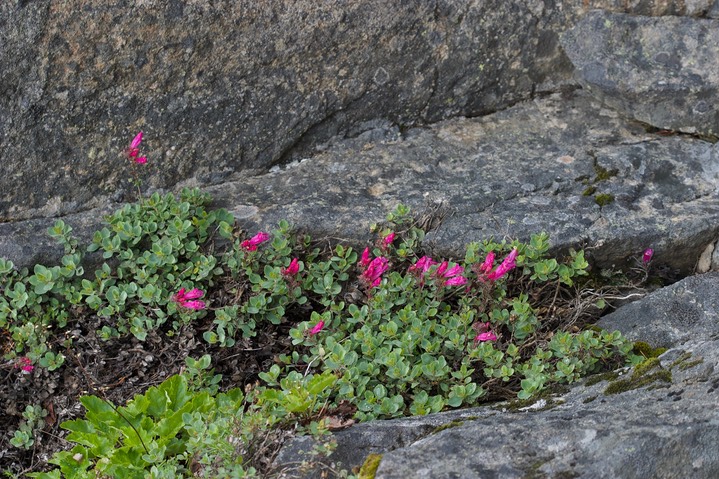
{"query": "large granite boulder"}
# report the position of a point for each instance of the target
(223, 88)
(661, 71)
(659, 420)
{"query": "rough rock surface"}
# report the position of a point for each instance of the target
(672, 316)
(229, 86)
(666, 429)
(661, 71)
(541, 165)
(692, 8)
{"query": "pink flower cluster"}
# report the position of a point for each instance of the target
(374, 268)
(447, 276)
(484, 333)
(292, 269)
(252, 243)
(25, 364)
(509, 263)
(134, 151)
(452, 276)
(317, 328)
(189, 299)
(647, 256)
(387, 241)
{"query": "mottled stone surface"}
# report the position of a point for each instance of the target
(662, 430)
(672, 315)
(661, 71)
(693, 8)
(223, 87)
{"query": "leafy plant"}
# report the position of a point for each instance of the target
(176, 430)
(34, 420)
(388, 331)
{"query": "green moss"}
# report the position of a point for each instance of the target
(603, 199)
(589, 191)
(603, 174)
(683, 363)
(641, 376)
(589, 399)
(449, 425)
(690, 364)
(598, 378)
(644, 349)
(645, 366)
(534, 472)
(369, 468)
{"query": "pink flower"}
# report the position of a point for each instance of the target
(441, 269)
(292, 269)
(188, 299)
(318, 327)
(364, 260)
(252, 243)
(454, 271)
(488, 264)
(373, 274)
(25, 364)
(134, 151)
(456, 281)
(387, 241)
(488, 336)
(135, 144)
(196, 305)
(647, 256)
(422, 265)
(452, 276)
(507, 265)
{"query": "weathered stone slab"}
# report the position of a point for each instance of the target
(539, 166)
(222, 87)
(672, 315)
(666, 429)
(661, 71)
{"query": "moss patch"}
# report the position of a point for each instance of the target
(603, 199)
(644, 349)
(589, 191)
(683, 362)
(369, 468)
(603, 174)
(449, 425)
(598, 378)
(641, 376)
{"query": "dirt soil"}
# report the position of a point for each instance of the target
(115, 370)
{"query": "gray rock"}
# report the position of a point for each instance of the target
(661, 71)
(691, 8)
(671, 315)
(539, 166)
(666, 429)
(223, 89)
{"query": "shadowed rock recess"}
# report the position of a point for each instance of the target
(514, 117)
